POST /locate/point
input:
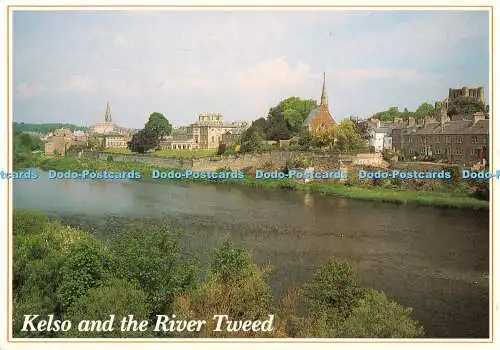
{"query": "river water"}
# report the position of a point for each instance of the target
(433, 260)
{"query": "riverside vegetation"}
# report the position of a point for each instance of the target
(71, 274)
(451, 194)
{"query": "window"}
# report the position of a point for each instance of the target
(474, 139)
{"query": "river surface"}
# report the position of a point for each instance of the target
(432, 260)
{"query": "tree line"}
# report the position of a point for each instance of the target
(462, 105)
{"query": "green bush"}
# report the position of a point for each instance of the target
(334, 291)
(151, 257)
(375, 316)
(115, 297)
(85, 267)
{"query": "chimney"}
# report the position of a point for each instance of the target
(378, 123)
(411, 121)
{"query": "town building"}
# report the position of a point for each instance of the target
(462, 141)
(106, 127)
(108, 134)
(114, 140)
(231, 137)
(380, 137)
(206, 133)
(57, 145)
(319, 118)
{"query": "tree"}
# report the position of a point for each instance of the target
(115, 297)
(341, 137)
(251, 140)
(152, 258)
(375, 316)
(158, 126)
(143, 141)
(388, 115)
(465, 105)
(334, 291)
(348, 137)
(278, 129)
(234, 286)
(86, 267)
(361, 127)
(285, 119)
(424, 110)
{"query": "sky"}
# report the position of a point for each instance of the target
(66, 65)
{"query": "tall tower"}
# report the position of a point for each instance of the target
(324, 96)
(107, 115)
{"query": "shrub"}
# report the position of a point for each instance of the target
(375, 316)
(85, 267)
(151, 257)
(334, 291)
(114, 297)
(235, 286)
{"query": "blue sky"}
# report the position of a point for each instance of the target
(68, 64)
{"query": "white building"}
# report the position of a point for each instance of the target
(379, 138)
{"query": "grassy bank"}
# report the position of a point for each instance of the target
(447, 199)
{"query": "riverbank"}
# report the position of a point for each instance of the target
(445, 199)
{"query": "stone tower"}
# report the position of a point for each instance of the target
(324, 96)
(107, 114)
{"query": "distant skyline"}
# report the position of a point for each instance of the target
(68, 64)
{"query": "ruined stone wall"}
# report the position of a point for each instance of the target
(271, 160)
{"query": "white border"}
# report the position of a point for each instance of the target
(238, 343)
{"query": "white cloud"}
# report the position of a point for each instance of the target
(271, 75)
(80, 82)
(357, 75)
(27, 90)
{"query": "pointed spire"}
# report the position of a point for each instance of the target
(324, 96)
(107, 115)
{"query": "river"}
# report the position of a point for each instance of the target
(433, 260)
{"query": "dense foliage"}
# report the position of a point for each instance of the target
(156, 128)
(458, 106)
(72, 275)
(24, 145)
(285, 119)
(465, 105)
(425, 109)
(44, 128)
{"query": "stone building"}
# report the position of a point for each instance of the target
(114, 140)
(57, 145)
(207, 132)
(106, 127)
(475, 93)
(108, 134)
(232, 136)
(464, 140)
(320, 118)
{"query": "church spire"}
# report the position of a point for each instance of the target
(107, 115)
(324, 96)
